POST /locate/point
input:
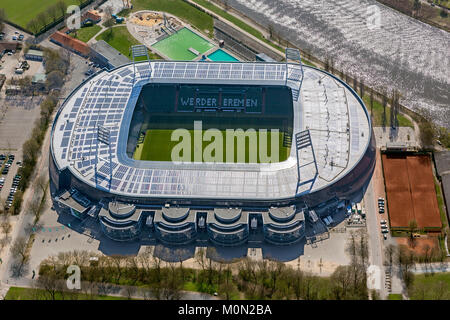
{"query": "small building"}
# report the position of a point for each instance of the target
(91, 16)
(106, 56)
(38, 80)
(34, 55)
(72, 44)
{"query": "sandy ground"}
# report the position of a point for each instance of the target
(148, 19)
(420, 244)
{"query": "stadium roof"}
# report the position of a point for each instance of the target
(337, 121)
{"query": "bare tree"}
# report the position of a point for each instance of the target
(19, 251)
(412, 229)
(33, 25)
(2, 18)
(390, 253)
(61, 6)
(371, 101)
(130, 291)
(361, 88)
(42, 182)
(51, 284)
(53, 13)
(42, 19)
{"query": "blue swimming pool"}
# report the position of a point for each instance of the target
(220, 55)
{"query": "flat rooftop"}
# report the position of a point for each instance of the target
(337, 121)
(113, 56)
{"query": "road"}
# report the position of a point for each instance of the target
(374, 239)
(431, 268)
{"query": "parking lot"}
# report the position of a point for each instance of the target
(9, 181)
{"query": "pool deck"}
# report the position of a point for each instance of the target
(149, 41)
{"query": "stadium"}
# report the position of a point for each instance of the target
(109, 154)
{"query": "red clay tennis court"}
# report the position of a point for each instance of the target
(410, 191)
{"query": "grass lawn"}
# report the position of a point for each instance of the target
(22, 11)
(17, 293)
(178, 8)
(431, 287)
(120, 39)
(85, 34)
(395, 296)
(377, 115)
(157, 146)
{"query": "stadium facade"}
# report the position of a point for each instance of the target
(325, 123)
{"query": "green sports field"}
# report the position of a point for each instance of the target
(157, 146)
(22, 11)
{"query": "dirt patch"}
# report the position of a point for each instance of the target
(421, 245)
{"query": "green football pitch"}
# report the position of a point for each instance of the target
(157, 146)
(22, 11)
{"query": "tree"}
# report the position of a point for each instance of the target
(41, 18)
(19, 253)
(2, 19)
(355, 84)
(55, 80)
(390, 253)
(371, 101)
(17, 202)
(227, 289)
(53, 12)
(416, 7)
(226, 5)
(406, 262)
(384, 104)
(42, 182)
(412, 229)
(427, 133)
(34, 207)
(361, 88)
(30, 150)
(109, 21)
(271, 31)
(327, 64)
(6, 227)
(51, 284)
(33, 25)
(61, 6)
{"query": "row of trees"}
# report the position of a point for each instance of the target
(52, 14)
(266, 279)
(56, 67)
(2, 19)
